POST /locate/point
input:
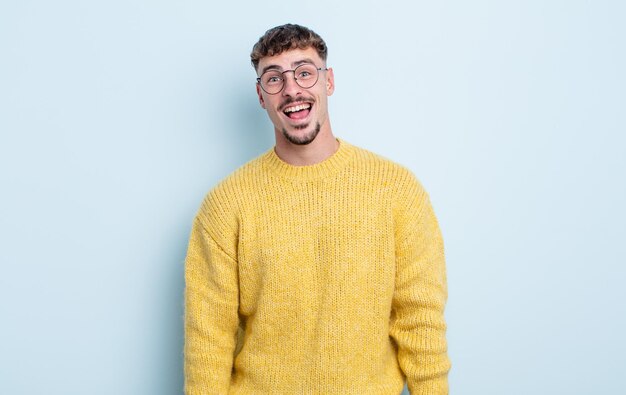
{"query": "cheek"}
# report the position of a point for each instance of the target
(272, 112)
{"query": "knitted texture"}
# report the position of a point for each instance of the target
(320, 279)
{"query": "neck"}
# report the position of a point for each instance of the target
(324, 146)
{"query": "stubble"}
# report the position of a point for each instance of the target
(303, 140)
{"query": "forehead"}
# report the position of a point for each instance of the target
(289, 59)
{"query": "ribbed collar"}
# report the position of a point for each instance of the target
(323, 169)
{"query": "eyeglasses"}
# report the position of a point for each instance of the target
(305, 75)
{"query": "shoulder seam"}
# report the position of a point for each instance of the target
(208, 234)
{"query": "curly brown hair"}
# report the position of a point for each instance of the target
(285, 37)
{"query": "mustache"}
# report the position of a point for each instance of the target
(291, 100)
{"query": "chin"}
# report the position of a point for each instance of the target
(303, 139)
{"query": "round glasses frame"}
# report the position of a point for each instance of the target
(305, 85)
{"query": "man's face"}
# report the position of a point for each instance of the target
(311, 104)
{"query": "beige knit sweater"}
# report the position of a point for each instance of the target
(321, 279)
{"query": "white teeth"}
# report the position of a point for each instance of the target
(297, 108)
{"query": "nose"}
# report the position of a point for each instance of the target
(291, 87)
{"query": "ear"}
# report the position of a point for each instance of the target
(260, 94)
(330, 81)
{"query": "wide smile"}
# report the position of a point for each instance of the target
(298, 112)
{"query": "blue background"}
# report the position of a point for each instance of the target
(116, 117)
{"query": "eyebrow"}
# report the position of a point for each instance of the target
(294, 65)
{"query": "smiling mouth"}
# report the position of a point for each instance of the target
(297, 110)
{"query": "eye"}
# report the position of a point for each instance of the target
(273, 79)
(304, 74)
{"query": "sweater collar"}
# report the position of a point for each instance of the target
(323, 169)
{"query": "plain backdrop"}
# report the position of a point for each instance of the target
(116, 117)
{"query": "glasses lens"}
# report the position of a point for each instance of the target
(272, 81)
(306, 75)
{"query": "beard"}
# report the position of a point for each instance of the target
(303, 140)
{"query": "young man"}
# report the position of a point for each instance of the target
(318, 267)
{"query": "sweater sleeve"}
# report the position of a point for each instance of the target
(417, 320)
(211, 314)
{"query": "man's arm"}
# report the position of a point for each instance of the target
(211, 314)
(417, 318)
